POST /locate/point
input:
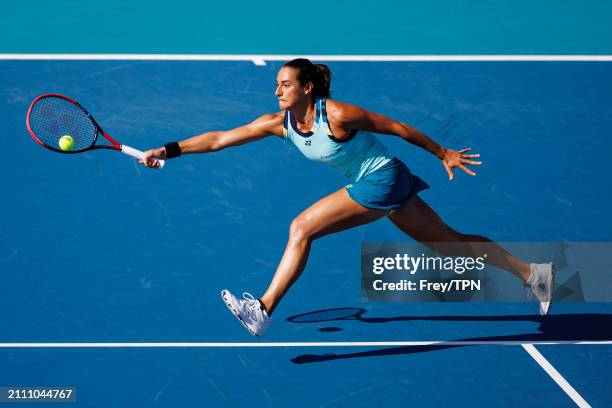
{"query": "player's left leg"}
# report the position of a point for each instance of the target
(421, 222)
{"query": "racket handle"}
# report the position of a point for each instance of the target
(130, 151)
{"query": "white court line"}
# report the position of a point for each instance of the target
(260, 59)
(298, 344)
(555, 375)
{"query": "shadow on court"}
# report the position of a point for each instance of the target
(562, 327)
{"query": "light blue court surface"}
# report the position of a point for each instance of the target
(96, 249)
(314, 27)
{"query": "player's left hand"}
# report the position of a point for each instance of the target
(452, 159)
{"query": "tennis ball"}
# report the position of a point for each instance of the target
(66, 143)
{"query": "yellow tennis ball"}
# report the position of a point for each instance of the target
(66, 143)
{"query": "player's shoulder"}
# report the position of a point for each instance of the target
(274, 116)
(272, 119)
(272, 122)
(341, 112)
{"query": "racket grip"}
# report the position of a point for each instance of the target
(130, 151)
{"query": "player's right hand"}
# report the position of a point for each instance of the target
(150, 157)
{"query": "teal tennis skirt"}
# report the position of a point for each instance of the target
(388, 188)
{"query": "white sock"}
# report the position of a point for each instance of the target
(534, 274)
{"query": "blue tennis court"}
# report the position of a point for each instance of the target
(111, 272)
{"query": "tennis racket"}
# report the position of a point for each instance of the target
(52, 116)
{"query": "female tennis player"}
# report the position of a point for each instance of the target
(342, 135)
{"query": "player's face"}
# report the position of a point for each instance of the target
(288, 89)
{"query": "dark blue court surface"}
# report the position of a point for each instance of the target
(95, 248)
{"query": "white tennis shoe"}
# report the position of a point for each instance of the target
(249, 311)
(542, 282)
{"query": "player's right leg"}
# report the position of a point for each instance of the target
(336, 212)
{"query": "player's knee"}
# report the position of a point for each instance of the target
(461, 237)
(444, 237)
(299, 230)
(446, 234)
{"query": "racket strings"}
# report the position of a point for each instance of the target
(52, 117)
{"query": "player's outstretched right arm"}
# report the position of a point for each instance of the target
(266, 125)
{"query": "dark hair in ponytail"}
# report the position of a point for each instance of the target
(318, 74)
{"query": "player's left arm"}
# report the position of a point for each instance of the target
(348, 117)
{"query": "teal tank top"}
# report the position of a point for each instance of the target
(356, 156)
